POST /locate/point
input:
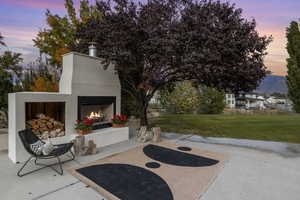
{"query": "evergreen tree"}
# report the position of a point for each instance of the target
(293, 78)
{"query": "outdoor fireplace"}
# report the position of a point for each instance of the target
(99, 108)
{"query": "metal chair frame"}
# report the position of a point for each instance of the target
(27, 138)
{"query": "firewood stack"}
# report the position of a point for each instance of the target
(46, 127)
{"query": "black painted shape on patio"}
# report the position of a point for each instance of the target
(128, 182)
(153, 165)
(184, 148)
(174, 157)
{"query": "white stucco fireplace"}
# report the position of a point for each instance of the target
(85, 90)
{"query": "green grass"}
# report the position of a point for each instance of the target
(283, 127)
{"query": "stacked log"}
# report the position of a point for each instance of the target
(46, 127)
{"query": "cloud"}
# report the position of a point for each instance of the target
(19, 39)
(53, 4)
(18, 33)
(43, 4)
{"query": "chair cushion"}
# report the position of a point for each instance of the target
(47, 148)
(37, 147)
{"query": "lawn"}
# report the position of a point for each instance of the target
(284, 128)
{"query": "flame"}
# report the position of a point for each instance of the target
(95, 115)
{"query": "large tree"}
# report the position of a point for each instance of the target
(293, 78)
(59, 37)
(159, 42)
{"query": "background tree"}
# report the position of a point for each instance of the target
(38, 76)
(211, 101)
(41, 84)
(156, 43)
(9, 70)
(1, 40)
(59, 38)
(293, 77)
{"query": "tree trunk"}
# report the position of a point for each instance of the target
(144, 119)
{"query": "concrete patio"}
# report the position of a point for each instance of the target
(249, 174)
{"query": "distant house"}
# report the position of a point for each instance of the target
(256, 101)
(230, 100)
(155, 99)
(279, 103)
(245, 101)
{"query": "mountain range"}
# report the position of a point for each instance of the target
(273, 84)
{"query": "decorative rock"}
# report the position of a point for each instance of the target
(144, 135)
(134, 126)
(78, 144)
(91, 148)
(141, 132)
(156, 134)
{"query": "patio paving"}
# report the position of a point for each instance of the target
(249, 174)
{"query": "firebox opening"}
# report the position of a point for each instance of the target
(100, 109)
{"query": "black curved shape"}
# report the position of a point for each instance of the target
(153, 165)
(128, 182)
(173, 157)
(184, 148)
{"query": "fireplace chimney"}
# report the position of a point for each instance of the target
(92, 49)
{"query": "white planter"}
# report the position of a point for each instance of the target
(106, 136)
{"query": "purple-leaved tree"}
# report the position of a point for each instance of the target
(159, 42)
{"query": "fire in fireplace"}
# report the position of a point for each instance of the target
(100, 109)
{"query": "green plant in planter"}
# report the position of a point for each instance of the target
(83, 125)
(119, 119)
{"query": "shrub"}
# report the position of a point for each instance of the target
(211, 101)
(183, 99)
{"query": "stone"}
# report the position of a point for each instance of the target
(144, 135)
(92, 148)
(134, 126)
(79, 143)
(156, 134)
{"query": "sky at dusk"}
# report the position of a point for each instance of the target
(20, 20)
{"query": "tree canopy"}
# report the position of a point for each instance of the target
(156, 43)
(59, 38)
(293, 78)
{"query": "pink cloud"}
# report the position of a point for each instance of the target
(53, 4)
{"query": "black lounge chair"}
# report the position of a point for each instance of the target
(28, 137)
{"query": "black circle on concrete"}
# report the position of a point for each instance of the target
(128, 182)
(152, 165)
(173, 157)
(184, 148)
